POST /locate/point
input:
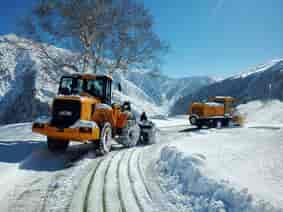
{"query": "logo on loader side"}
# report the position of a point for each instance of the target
(65, 113)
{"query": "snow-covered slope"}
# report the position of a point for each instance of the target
(259, 83)
(28, 84)
(164, 91)
(262, 113)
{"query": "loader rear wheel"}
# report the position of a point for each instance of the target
(55, 145)
(132, 136)
(105, 141)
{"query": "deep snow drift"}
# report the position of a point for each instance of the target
(238, 169)
(264, 113)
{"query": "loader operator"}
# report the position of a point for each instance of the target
(143, 117)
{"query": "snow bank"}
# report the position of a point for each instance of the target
(263, 112)
(186, 174)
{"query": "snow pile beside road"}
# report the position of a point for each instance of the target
(188, 175)
(263, 112)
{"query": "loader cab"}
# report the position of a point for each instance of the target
(97, 86)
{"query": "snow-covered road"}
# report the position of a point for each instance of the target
(33, 179)
(237, 169)
(31, 176)
(116, 183)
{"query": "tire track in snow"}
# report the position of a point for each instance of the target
(108, 189)
(129, 202)
(142, 176)
(131, 179)
(123, 204)
(85, 206)
(96, 184)
(117, 184)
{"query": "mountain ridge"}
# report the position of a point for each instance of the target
(261, 82)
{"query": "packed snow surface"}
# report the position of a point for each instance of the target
(34, 179)
(167, 122)
(237, 169)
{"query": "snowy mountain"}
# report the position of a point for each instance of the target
(164, 91)
(259, 83)
(28, 83)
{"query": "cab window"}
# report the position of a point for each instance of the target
(95, 87)
(69, 86)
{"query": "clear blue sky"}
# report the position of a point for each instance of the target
(207, 37)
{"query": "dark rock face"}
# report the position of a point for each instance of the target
(23, 106)
(264, 85)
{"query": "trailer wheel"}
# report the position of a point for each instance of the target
(105, 141)
(55, 145)
(147, 136)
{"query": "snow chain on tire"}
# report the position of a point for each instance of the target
(130, 135)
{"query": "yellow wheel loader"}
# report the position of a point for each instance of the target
(83, 111)
(218, 111)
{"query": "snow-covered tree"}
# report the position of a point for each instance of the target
(108, 34)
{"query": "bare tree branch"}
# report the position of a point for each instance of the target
(110, 35)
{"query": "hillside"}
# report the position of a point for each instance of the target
(163, 90)
(259, 83)
(28, 83)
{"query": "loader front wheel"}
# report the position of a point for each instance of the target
(105, 141)
(55, 145)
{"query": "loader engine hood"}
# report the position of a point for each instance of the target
(67, 110)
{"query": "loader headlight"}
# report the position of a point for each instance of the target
(84, 124)
(42, 120)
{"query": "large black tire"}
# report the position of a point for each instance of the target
(55, 145)
(148, 136)
(105, 141)
(130, 134)
(193, 120)
(226, 122)
(133, 136)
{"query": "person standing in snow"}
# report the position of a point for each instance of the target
(143, 117)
